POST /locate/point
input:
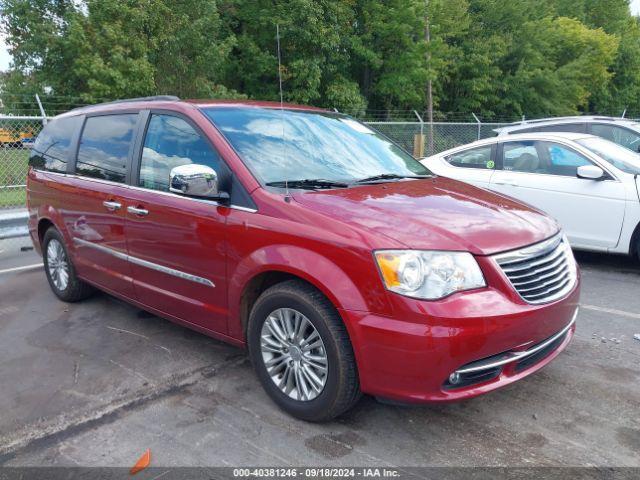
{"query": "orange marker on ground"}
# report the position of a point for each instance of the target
(142, 463)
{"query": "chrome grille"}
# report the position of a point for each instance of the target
(540, 273)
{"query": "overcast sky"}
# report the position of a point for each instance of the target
(4, 55)
(5, 58)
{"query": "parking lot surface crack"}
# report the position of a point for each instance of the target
(48, 431)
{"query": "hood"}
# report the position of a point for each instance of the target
(435, 213)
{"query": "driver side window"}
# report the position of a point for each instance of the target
(563, 160)
(170, 142)
(546, 158)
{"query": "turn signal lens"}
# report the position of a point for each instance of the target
(388, 264)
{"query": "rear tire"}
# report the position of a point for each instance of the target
(60, 271)
(308, 367)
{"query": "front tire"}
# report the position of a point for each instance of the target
(60, 272)
(301, 352)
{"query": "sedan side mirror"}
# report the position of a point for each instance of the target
(590, 172)
(194, 180)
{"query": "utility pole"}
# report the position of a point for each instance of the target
(427, 38)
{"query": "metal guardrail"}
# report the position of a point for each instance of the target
(13, 224)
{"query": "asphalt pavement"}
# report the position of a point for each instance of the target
(97, 383)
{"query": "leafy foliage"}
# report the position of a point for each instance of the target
(491, 57)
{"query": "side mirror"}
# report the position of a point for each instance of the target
(194, 180)
(590, 172)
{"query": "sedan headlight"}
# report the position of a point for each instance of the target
(428, 274)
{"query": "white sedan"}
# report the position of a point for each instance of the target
(587, 183)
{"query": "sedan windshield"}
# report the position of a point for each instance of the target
(620, 157)
(309, 146)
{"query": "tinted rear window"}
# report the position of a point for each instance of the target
(51, 150)
(104, 146)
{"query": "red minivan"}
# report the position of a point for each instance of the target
(340, 262)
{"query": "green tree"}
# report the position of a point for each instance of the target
(33, 30)
(490, 57)
(188, 48)
(117, 48)
(520, 59)
(390, 52)
(107, 56)
(316, 41)
(623, 91)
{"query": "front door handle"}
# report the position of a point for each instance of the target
(141, 212)
(507, 181)
(111, 205)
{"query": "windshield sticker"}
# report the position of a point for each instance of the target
(491, 164)
(357, 126)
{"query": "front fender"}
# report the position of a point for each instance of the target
(311, 266)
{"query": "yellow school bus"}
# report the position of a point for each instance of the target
(13, 137)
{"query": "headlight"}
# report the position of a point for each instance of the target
(428, 274)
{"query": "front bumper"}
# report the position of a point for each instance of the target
(411, 360)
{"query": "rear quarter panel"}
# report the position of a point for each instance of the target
(45, 198)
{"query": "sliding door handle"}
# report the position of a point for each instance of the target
(111, 205)
(141, 212)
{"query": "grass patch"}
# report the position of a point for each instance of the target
(13, 171)
(13, 197)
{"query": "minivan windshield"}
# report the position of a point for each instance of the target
(620, 157)
(294, 145)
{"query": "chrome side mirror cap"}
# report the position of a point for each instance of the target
(590, 172)
(195, 180)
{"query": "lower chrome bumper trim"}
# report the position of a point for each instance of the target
(508, 357)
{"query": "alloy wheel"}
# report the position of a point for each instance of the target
(57, 264)
(294, 354)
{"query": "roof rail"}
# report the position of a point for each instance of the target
(610, 118)
(567, 118)
(166, 98)
(550, 119)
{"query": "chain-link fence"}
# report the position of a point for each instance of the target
(424, 139)
(17, 135)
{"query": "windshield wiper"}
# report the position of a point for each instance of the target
(308, 183)
(388, 176)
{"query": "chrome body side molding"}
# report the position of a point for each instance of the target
(145, 263)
